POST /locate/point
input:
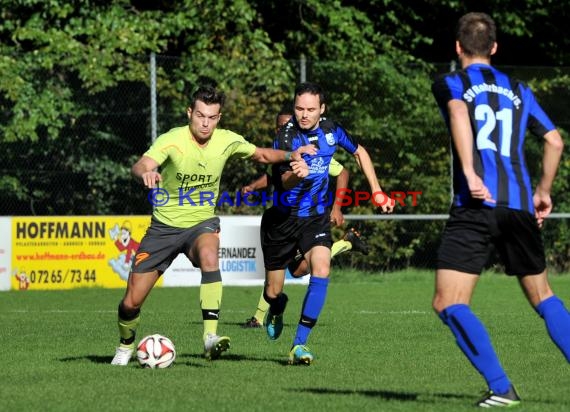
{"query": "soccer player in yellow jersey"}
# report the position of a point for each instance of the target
(192, 159)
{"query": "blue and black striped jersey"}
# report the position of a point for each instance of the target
(310, 197)
(501, 111)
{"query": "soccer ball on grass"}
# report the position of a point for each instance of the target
(156, 351)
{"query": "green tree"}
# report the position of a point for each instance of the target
(74, 94)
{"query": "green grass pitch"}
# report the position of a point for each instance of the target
(377, 344)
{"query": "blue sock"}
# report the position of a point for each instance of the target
(475, 343)
(312, 306)
(557, 320)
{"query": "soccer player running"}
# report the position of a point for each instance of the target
(300, 219)
(488, 114)
(298, 266)
(192, 159)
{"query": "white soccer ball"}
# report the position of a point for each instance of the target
(156, 351)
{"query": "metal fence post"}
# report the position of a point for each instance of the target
(452, 68)
(153, 110)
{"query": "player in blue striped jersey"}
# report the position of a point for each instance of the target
(299, 217)
(488, 115)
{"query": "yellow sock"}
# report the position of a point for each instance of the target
(262, 308)
(127, 331)
(340, 246)
(210, 301)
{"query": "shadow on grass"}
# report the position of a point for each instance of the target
(90, 358)
(386, 395)
(108, 359)
(222, 323)
(232, 357)
(427, 397)
(189, 359)
(240, 324)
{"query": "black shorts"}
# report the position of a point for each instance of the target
(470, 234)
(162, 243)
(282, 235)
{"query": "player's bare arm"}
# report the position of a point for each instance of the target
(337, 218)
(462, 137)
(264, 155)
(300, 170)
(260, 183)
(553, 147)
(144, 171)
(365, 162)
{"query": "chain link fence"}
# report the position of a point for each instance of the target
(86, 170)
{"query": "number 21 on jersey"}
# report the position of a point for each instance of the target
(485, 113)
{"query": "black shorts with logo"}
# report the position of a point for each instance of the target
(283, 234)
(162, 243)
(470, 233)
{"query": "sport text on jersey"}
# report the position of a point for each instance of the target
(195, 181)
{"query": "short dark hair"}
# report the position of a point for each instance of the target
(311, 88)
(286, 110)
(476, 33)
(208, 95)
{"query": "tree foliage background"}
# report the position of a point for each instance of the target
(74, 94)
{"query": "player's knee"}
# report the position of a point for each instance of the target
(128, 311)
(537, 288)
(320, 269)
(270, 293)
(268, 296)
(208, 258)
(129, 303)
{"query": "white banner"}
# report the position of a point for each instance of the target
(241, 258)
